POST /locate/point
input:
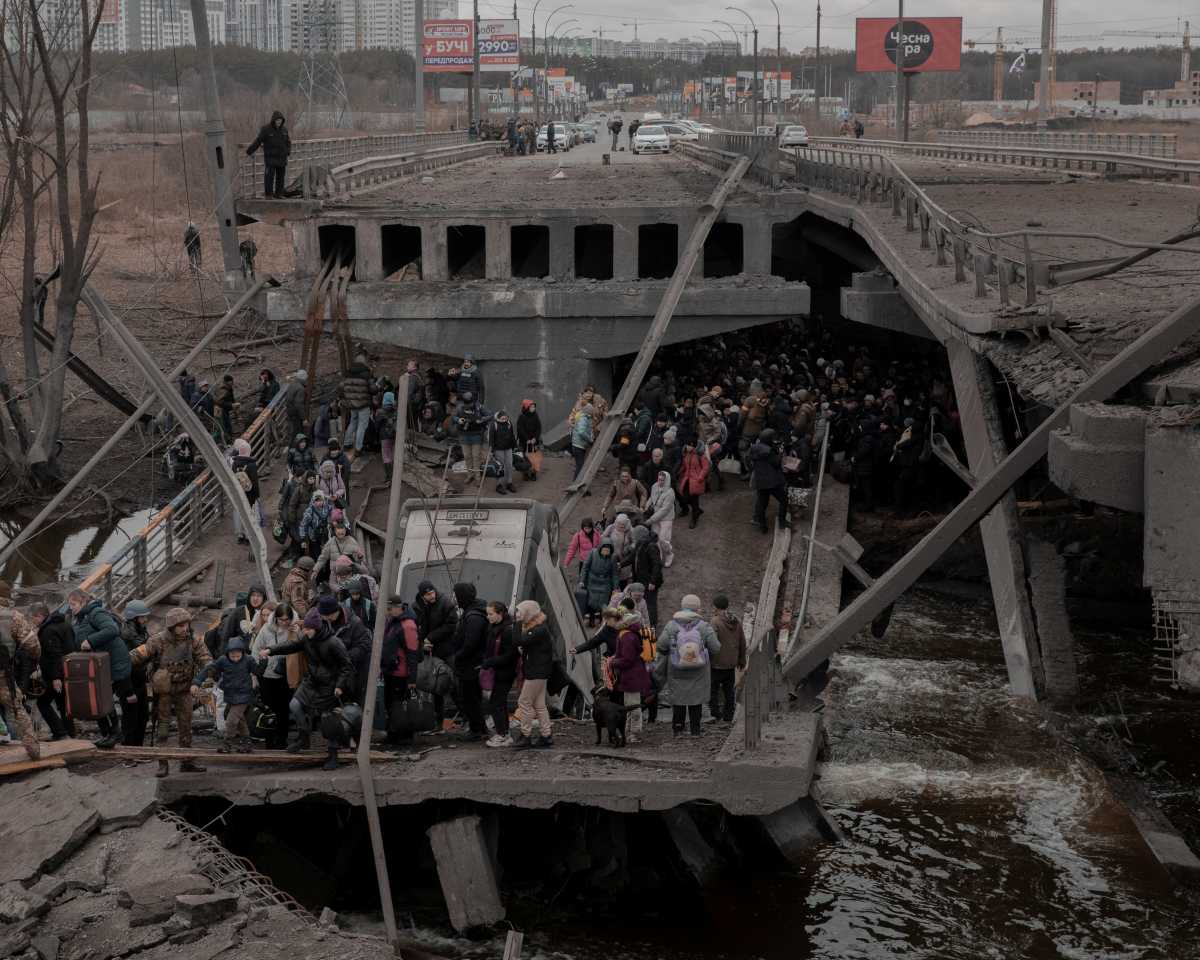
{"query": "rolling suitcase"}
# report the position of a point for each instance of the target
(87, 685)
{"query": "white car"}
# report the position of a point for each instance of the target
(562, 138)
(651, 139)
(794, 136)
(677, 131)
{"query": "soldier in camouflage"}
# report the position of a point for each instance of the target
(177, 655)
(16, 633)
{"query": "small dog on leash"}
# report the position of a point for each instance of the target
(609, 715)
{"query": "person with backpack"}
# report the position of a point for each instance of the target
(16, 634)
(767, 479)
(300, 458)
(400, 660)
(498, 671)
(632, 680)
(57, 638)
(471, 420)
(647, 567)
(470, 642)
(245, 472)
(385, 428)
(97, 630)
(686, 647)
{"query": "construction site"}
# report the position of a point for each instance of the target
(960, 719)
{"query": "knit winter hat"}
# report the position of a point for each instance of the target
(691, 602)
(327, 604)
(312, 619)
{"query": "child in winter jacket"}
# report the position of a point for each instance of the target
(234, 675)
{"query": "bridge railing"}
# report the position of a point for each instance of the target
(1045, 157)
(762, 149)
(871, 177)
(359, 175)
(1142, 144)
(153, 552)
(333, 152)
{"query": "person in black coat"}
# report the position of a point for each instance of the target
(529, 436)
(57, 638)
(356, 638)
(437, 623)
(243, 462)
(330, 674)
(276, 147)
(470, 644)
(767, 479)
(647, 568)
(500, 658)
(504, 442)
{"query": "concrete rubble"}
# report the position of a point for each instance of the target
(89, 873)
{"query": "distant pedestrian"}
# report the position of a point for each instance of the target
(614, 127)
(191, 244)
(249, 250)
(276, 147)
(551, 147)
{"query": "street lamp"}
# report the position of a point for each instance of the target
(778, 64)
(537, 112)
(546, 52)
(721, 46)
(754, 104)
(737, 46)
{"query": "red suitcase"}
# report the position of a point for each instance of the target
(88, 685)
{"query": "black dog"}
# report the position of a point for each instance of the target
(609, 716)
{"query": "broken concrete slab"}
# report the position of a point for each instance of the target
(50, 886)
(13, 942)
(17, 903)
(464, 868)
(205, 909)
(54, 823)
(797, 830)
(46, 946)
(122, 799)
(155, 902)
(700, 860)
(109, 935)
(212, 943)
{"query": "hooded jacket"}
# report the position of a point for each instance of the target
(765, 463)
(537, 648)
(57, 638)
(687, 687)
(599, 577)
(301, 459)
(272, 635)
(97, 627)
(529, 429)
(693, 472)
(329, 481)
(329, 666)
(356, 640)
(728, 629)
(437, 621)
(647, 560)
(470, 640)
(236, 680)
(660, 505)
(632, 676)
(275, 142)
(503, 435)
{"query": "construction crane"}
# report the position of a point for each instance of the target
(998, 70)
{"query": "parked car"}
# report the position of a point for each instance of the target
(562, 139)
(589, 132)
(651, 138)
(677, 131)
(794, 136)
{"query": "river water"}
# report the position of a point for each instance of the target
(66, 549)
(972, 832)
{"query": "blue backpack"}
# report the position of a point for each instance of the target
(688, 649)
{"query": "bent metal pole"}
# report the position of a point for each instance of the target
(98, 457)
(213, 455)
(387, 584)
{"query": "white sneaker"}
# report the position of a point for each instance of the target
(499, 741)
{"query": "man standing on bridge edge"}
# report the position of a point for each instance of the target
(276, 147)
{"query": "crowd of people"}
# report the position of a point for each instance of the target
(760, 402)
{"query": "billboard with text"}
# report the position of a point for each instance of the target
(499, 45)
(448, 46)
(929, 44)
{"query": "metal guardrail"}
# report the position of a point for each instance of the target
(334, 152)
(1142, 144)
(374, 171)
(153, 551)
(762, 149)
(1096, 161)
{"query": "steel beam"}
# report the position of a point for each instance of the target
(1150, 348)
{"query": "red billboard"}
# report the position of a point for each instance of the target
(929, 43)
(448, 46)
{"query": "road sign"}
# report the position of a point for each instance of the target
(930, 44)
(499, 46)
(448, 46)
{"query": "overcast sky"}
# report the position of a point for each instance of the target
(1080, 24)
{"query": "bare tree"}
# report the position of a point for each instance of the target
(45, 75)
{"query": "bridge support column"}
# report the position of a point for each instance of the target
(562, 250)
(368, 251)
(434, 265)
(625, 250)
(554, 382)
(756, 248)
(1003, 540)
(498, 251)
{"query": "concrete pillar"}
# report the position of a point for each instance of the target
(306, 247)
(798, 829)
(698, 857)
(1048, 589)
(464, 866)
(625, 249)
(562, 249)
(756, 246)
(554, 382)
(368, 250)
(1003, 540)
(498, 250)
(434, 265)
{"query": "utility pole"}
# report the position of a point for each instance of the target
(817, 69)
(901, 105)
(475, 74)
(215, 150)
(1185, 66)
(998, 67)
(1046, 71)
(419, 66)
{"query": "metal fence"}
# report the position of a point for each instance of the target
(153, 552)
(762, 149)
(334, 152)
(1142, 144)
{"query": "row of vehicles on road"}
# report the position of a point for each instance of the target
(567, 135)
(656, 135)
